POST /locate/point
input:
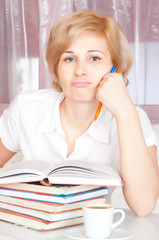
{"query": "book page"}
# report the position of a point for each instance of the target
(77, 172)
(27, 167)
(83, 167)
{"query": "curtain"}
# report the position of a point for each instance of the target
(24, 30)
(19, 50)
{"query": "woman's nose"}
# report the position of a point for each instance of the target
(80, 69)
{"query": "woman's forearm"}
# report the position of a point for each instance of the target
(138, 170)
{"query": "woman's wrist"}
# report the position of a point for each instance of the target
(127, 112)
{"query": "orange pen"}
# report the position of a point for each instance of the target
(100, 104)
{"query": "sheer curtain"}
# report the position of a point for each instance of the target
(24, 30)
(19, 51)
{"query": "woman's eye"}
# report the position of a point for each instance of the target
(94, 59)
(69, 59)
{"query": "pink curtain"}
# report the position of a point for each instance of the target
(24, 30)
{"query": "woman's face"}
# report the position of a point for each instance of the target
(82, 66)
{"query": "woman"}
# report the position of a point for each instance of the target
(59, 125)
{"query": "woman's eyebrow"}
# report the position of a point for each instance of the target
(69, 51)
(89, 51)
(95, 51)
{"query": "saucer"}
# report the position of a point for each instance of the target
(79, 234)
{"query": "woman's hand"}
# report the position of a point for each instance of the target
(113, 94)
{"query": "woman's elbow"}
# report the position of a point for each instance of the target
(145, 208)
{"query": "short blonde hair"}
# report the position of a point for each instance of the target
(70, 25)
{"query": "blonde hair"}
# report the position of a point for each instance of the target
(70, 25)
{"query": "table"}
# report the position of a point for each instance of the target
(142, 228)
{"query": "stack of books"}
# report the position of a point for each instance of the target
(30, 198)
(46, 208)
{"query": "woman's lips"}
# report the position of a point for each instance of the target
(80, 84)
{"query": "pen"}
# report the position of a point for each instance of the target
(100, 104)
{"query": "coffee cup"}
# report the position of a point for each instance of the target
(98, 220)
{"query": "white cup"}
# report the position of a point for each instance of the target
(98, 220)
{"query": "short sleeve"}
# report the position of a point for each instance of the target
(9, 125)
(148, 132)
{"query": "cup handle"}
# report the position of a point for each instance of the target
(121, 218)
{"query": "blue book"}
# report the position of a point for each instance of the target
(59, 199)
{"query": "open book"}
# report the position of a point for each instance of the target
(70, 172)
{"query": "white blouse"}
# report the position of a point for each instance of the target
(32, 124)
